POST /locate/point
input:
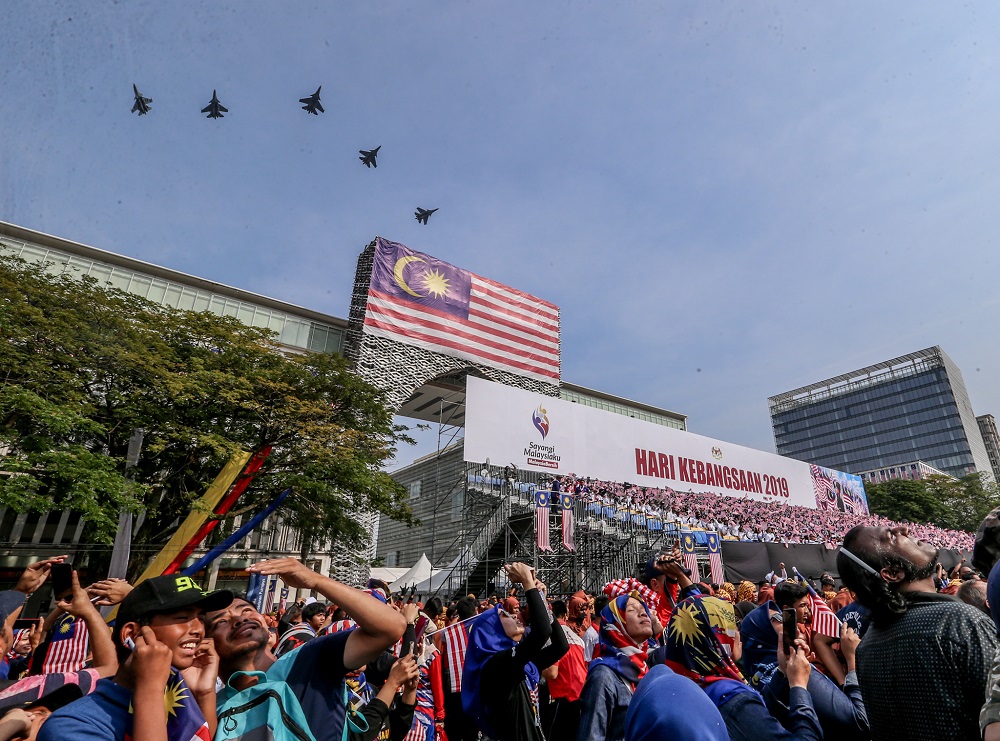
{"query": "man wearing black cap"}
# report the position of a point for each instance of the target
(162, 663)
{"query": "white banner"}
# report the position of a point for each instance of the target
(542, 433)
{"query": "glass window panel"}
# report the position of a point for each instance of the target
(245, 313)
(140, 285)
(157, 290)
(120, 279)
(100, 272)
(201, 302)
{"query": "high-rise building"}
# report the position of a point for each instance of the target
(991, 439)
(910, 408)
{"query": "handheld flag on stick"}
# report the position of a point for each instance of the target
(66, 649)
(455, 642)
(824, 620)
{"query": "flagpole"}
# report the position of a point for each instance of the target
(122, 548)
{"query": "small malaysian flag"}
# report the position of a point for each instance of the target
(687, 550)
(542, 520)
(824, 620)
(67, 647)
(455, 642)
(284, 598)
(419, 300)
(269, 600)
(715, 558)
(566, 503)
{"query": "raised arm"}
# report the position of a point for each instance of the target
(79, 606)
(379, 626)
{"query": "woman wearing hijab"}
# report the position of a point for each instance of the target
(727, 592)
(703, 644)
(620, 663)
(669, 706)
(503, 661)
(746, 592)
(841, 712)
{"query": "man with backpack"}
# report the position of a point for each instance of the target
(302, 695)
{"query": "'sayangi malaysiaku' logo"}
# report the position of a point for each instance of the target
(540, 418)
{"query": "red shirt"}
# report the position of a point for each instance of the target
(572, 670)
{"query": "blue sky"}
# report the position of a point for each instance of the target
(727, 200)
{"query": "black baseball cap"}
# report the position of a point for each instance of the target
(168, 593)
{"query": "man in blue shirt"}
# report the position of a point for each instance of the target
(317, 676)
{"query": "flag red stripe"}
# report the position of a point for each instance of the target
(501, 361)
(479, 298)
(520, 325)
(452, 325)
(456, 642)
(547, 343)
(501, 288)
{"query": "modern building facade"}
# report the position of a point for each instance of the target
(912, 471)
(911, 408)
(991, 439)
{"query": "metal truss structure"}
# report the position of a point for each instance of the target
(499, 528)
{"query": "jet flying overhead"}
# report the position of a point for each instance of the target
(368, 156)
(215, 109)
(423, 214)
(312, 104)
(141, 104)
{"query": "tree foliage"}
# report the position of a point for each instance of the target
(939, 500)
(82, 365)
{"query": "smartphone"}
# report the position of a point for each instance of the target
(62, 580)
(25, 623)
(790, 629)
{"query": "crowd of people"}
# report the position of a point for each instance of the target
(737, 518)
(898, 650)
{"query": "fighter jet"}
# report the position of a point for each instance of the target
(312, 103)
(423, 214)
(368, 156)
(215, 109)
(141, 104)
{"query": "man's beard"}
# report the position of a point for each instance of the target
(924, 572)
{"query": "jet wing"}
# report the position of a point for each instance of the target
(319, 107)
(223, 108)
(207, 109)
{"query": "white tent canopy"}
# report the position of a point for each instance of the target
(420, 572)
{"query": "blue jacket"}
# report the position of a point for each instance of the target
(603, 705)
(747, 718)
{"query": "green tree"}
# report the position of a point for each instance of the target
(958, 504)
(83, 365)
(965, 502)
(903, 500)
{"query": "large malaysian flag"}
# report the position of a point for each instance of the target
(419, 300)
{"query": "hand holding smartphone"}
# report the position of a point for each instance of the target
(789, 630)
(62, 580)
